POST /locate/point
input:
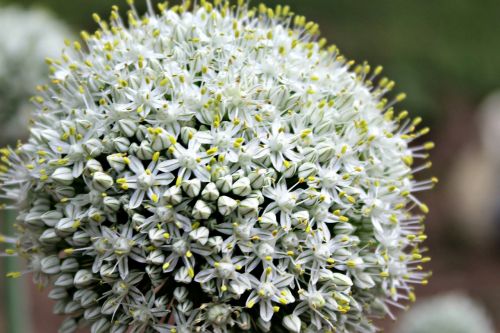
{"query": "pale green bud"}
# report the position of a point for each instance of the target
(63, 176)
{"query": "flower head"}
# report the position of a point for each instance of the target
(217, 168)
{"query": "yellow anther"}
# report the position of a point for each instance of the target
(384, 274)
(429, 145)
(424, 208)
(156, 156)
(121, 181)
(166, 266)
(305, 133)
(155, 197)
(401, 97)
(408, 160)
(276, 308)
(223, 288)
(212, 150)
(69, 251)
(13, 275)
(351, 263)
(424, 131)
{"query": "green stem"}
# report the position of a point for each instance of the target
(17, 315)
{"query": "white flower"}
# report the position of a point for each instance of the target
(144, 180)
(229, 159)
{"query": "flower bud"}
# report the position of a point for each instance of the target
(93, 147)
(292, 323)
(49, 236)
(69, 265)
(93, 166)
(224, 184)
(83, 278)
(200, 235)
(160, 141)
(290, 170)
(216, 243)
(187, 133)
(121, 144)
(325, 152)
(51, 217)
(192, 187)
(156, 236)
(242, 187)
(181, 294)
(144, 151)
(63, 176)
(102, 181)
(310, 154)
(64, 280)
(248, 206)
(80, 238)
(92, 314)
(226, 205)
(257, 178)
(268, 221)
(111, 203)
(155, 257)
(58, 293)
(51, 265)
(307, 170)
(256, 194)
(173, 195)
(344, 228)
(127, 127)
(245, 321)
(185, 307)
(69, 325)
(342, 282)
(117, 162)
(88, 297)
(201, 211)
(210, 192)
(364, 280)
(183, 275)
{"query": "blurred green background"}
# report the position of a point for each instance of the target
(446, 56)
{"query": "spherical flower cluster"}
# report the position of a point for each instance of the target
(26, 38)
(453, 313)
(218, 169)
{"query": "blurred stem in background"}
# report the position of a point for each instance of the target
(17, 318)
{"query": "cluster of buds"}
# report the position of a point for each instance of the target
(217, 169)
